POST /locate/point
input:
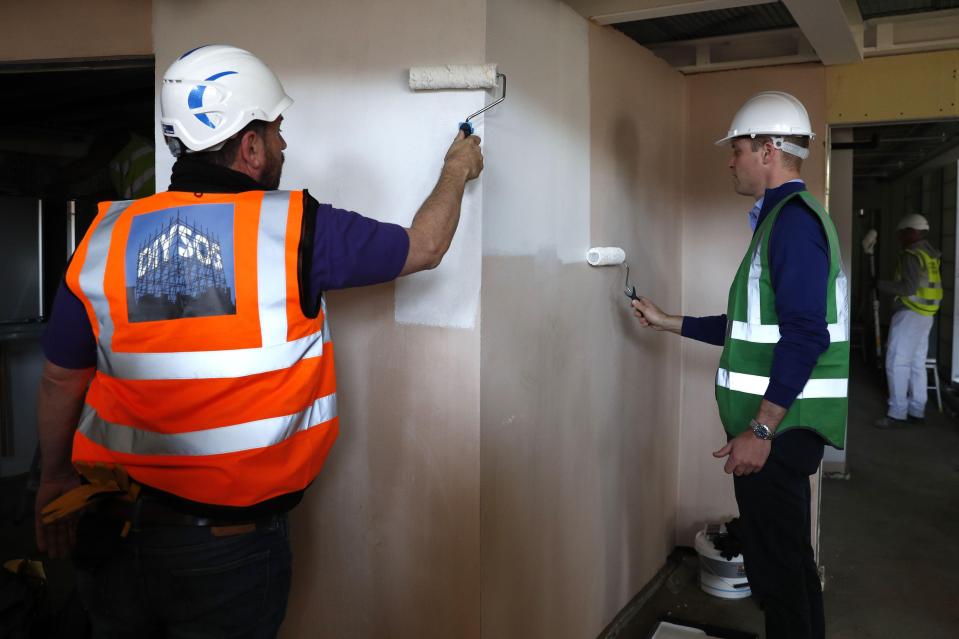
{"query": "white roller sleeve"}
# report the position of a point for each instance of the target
(453, 76)
(605, 255)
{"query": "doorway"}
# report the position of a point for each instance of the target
(72, 133)
(888, 500)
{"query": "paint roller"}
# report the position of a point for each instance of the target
(869, 241)
(459, 76)
(611, 256)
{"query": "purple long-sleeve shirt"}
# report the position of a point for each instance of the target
(799, 269)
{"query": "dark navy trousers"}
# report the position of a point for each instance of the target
(183, 582)
(774, 515)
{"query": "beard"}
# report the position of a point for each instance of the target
(271, 176)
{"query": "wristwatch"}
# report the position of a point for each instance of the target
(761, 431)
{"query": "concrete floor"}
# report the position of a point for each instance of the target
(889, 537)
(890, 533)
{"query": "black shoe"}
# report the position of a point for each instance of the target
(889, 422)
(912, 419)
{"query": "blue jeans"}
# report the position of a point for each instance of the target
(182, 581)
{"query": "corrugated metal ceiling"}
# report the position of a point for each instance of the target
(760, 17)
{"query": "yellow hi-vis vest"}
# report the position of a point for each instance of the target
(132, 169)
(928, 296)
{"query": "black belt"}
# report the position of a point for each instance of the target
(145, 512)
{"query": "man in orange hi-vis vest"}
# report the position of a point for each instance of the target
(189, 375)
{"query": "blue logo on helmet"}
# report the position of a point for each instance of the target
(195, 99)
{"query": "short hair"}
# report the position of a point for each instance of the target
(790, 161)
(226, 154)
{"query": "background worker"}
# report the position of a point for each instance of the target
(189, 346)
(918, 291)
(783, 374)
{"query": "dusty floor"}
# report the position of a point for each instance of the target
(889, 539)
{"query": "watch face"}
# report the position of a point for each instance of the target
(762, 431)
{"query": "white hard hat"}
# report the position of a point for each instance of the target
(212, 92)
(914, 221)
(772, 113)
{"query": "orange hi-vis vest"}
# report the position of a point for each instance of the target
(211, 383)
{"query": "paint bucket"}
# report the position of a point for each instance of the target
(718, 576)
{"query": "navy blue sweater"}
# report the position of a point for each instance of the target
(799, 268)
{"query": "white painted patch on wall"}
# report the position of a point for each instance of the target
(537, 161)
(358, 137)
(368, 143)
(378, 149)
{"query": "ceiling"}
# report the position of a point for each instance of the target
(883, 8)
(697, 36)
(704, 24)
(757, 17)
(888, 152)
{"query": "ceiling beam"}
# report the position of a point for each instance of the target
(615, 11)
(742, 51)
(834, 28)
(912, 33)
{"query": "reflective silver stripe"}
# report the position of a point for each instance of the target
(839, 332)
(757, 333)
(753, 308)
(753, 330)
(271, 266)
(142, 179)
(211, 364)
(139, 153)
(757, 385)
(769, 333)
(94, 268)
(275, 354)
(213, 441)
(327, 336)
(925, 301)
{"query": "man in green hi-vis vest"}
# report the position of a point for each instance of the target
(783, 374)
(918, 291)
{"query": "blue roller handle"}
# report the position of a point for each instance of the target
(466, 128)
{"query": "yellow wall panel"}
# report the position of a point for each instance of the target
(905, 87)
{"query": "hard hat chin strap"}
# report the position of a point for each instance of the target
(177, 148)
(788, 147)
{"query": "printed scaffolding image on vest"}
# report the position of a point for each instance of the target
(179, 263)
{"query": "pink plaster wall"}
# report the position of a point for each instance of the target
(580, 409)
(51, 29)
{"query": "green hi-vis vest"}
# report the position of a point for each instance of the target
(928, 296)
(753, 332)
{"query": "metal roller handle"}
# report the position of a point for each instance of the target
(466, 127)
